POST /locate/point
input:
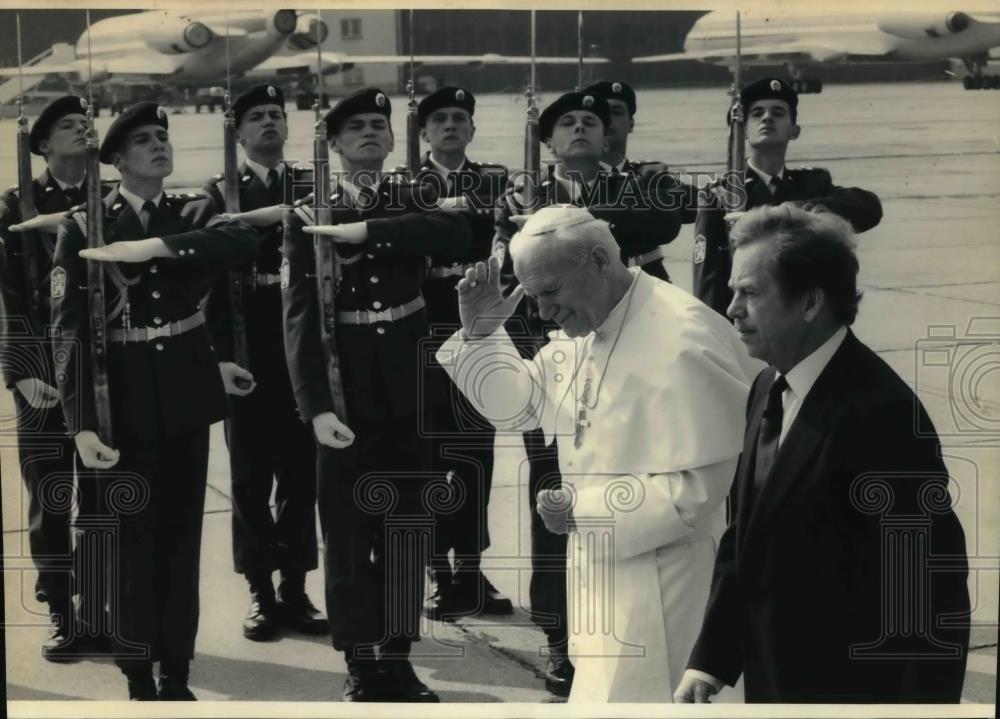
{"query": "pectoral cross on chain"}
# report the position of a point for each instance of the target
(582, 422)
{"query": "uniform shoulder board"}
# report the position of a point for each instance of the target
(186, 197)
(492, 168)
(216, 179)
(82, 207)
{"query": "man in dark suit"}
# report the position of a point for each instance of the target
(771, 109)
(164, 385)
(462, 439)
(822, 590)
(268, 443)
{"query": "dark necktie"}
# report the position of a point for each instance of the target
(272, 177)
(148, 210)
(770, 432)
(74, 195)
(775, 184)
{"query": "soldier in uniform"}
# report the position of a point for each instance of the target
(46, 452)
(639, 209)
(622, 104)
(165, 390)
(462, 438)
(267, 441)
(770, 107)
(374, 464)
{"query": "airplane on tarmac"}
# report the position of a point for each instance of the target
(193, 49)
(802, 38)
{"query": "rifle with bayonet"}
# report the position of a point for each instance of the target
(736, 200)
(30, 240)
(327, 270)
(412, 124)
(532, 139)
(95, 275)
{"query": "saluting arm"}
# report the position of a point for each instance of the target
(859, 207)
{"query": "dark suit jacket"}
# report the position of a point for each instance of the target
(799, 577)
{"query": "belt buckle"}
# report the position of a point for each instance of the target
(382, 316)
(153, 333)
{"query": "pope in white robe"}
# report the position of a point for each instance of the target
(645, 389)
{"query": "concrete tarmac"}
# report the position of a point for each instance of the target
(931, 277)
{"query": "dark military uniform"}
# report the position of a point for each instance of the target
(267, 440)
(371, 501)
(712, 258)
(462, 438)
(165, 391)
(686, 197)
(45, 451)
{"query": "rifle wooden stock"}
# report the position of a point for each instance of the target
(326, 270)
(412, 138)
(241, 354)
(532, 159)
(95, 293)
(29, 240)
(736, 157)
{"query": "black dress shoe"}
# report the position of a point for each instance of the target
(559, 671)
(364, 682)
(298, 613)
(142, 689)
(175, 689)
(479, 595)
(261, 620)
(68, 644)
(442, 601)
(402, 684)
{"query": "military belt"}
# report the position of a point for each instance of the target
(148, 334)
(370, 317)
(456, 270)
(646, 258)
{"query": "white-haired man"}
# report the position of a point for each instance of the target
(645, 388)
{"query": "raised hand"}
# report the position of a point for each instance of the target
(127, 251)
(349, 233)
(38, 394)
(48, 223)
(481, 304)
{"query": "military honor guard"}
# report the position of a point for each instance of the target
(374, 464)
(268, 443)
(462, 439)
(622, 104)
(164, 385)
(770, 107)
(45, 450)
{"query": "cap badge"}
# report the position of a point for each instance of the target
(380, 100)
(775, 86)
(459, 95)
(616, 87)
(161, 113)
(271, 92)
(588, 101)
(83, 104)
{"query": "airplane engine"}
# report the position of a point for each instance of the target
(282, 22)
(177, 35)
(309, 32)
(919, 26)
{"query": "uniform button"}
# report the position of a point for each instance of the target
(388, 244)
(154, 269)
(156, 294)
(373, 279)
(159, 346)
(380, 330)
(377, 305)
(191, 251)
(157, 320)
(182, 252)
(370, 257)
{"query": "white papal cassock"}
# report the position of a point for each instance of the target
(648, 451)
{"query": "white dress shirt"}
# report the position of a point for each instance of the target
(136, 203)
(262, 170)
(573, 187)
(766, 177)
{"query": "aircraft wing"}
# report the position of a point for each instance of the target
(331, 61)
(153, 64)
(798, 51)
(28, 70)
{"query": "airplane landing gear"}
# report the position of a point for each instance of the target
(803, 85)
(977, 79)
